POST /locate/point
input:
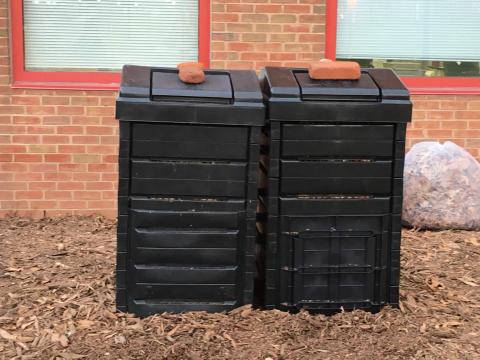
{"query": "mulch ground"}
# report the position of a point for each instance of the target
(57, 302)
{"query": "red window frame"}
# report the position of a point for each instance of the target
(416, 85)
(91, 80)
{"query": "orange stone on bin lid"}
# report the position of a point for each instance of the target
(191, 75)
(190, 64)
(326, 69)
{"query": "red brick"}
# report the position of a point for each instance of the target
(26, 119)
(56, 120)
(28, 158)
(427, 105)
(26, 139)
(12, 129)
(282, 56)
(6, 195)
(57, 158)
(71, 149)
(283, 18)
(42, 149)
(39, 110)
(459, 124)
(85, 120)
(99, 130)
(69, 129)
(71, 185)
(67, 177)
(28, 176)
(40, 130)
(223, 17)
(302, 28)
(72, 205)
(102, 167)
(55, 139)
(28, 195)
(103, 185)
(268, 8)
(240, 46)
(72, 167)
(58, 195)
(101, 149)
(242, 8)
(43, 167)
(14, 205)
(100, 111)
(86, 176)
(254, 18)
(55, 100)
(14, 167)
(6, 157)
(44, 204)
(5, 149)
(467, 134)
(102, 204)
(87, 195)
(254, 56)
(42, 185)
(467, 114)
(70, 110)
(13, 109)
(439, 115)
(85, 139)
(299, 9)
(14, 185)
(439, 134)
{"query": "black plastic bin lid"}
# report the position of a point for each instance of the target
(373, 85)
(363, 89)
(163, 84)
(216, 88)
(226, 97)
(378, 96)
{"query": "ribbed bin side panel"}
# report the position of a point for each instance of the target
(187, 213)
(334, 197)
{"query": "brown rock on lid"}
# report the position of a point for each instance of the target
(190, 64)
(191, 75)
(334, 70)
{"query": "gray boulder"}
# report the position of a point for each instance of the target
(441, 187)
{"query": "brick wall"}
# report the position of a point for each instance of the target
(446, 117)
(58, 148)
(253, 34)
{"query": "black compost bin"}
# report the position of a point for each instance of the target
(187, 190)
(335, 189)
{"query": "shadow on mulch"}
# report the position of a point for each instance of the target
(57, 302)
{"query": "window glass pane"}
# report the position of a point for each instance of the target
(66, 35)
(414, 37)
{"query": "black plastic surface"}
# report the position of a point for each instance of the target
(363, 89)
(379, 96)
(188, 162)
(230, 97)
(334, 158)
(216, 88)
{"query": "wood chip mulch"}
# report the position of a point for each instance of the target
(57, 302)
